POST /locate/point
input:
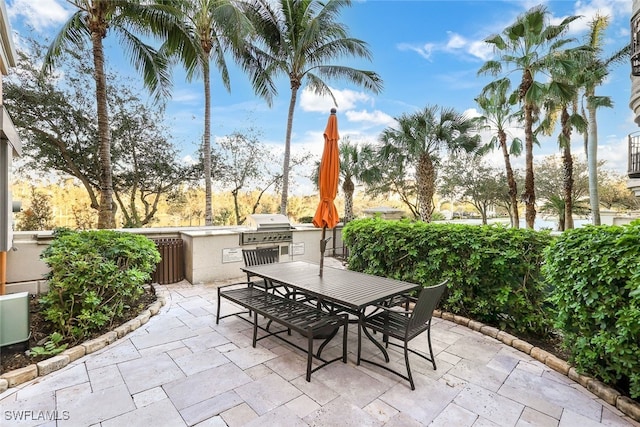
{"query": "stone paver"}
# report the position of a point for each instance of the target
(180, 368)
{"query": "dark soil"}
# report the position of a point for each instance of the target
(14, 357)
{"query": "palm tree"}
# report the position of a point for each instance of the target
(92, 20)
(216, 26)
(298, 39)
(595, 69)
(496, 105)
(528, 45)
(563, 104)
(417, 141)
(355, 164)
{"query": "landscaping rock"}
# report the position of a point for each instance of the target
(52, 364)
(489, 331)
(4, 385)
(603, 391)
(521, 345)
(557, 364)
(22, 375)
(539, 354)
(74, 353)
(629, 407)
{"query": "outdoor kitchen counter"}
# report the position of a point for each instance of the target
(215, 254)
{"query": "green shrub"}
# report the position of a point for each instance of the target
(51, 347)
(95, 276)
(596, 274)
(494, 272)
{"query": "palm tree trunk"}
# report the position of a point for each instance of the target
(567, 171)
(206, 143)
(529, 195)
(347, 188)
(513, 187)
(106, 209)
(592, 161)
(425, 186)
(287, 148)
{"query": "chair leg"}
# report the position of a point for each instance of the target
(406, 361)
(359, 341)
(433, 359)
(344, 338)
(218, 309)
(255, 328)
(309, 353)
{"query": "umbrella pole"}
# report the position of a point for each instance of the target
(323, 244)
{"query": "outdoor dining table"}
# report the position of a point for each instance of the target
(344, 290)
(338, 290)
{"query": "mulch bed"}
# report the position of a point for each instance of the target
(14, 357)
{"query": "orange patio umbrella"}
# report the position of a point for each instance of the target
(327, 215)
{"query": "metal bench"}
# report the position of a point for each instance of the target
(293, 315)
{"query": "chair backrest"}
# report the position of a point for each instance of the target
(427, 302)
(259, 256)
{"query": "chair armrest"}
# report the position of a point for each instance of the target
(394, 309)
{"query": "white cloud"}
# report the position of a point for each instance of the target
(39, 14)
(346, 99)
(455, 44)
(424, 50)
(375, 118)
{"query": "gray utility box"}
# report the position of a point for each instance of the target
(14, 318)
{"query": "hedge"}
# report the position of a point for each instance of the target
(596, 277)
(494, 272)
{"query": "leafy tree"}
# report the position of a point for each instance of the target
(146, 165)
(216, 26)
(394, 177)
(595, 68)
(39, 215)
(125, 18)
(473, 181)
(496, 105)
(56, 118)
(529, 46)
(245, 161)
(416, 144)
(614, 193)
(299, 39)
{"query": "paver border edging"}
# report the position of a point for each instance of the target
(22, 375)
(624, 404)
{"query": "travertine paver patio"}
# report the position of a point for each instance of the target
(181, 368)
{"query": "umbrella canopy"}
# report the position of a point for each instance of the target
(326, 214)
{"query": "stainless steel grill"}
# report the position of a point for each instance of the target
(268, 228)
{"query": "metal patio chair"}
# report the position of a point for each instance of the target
(403, 325)
(259, 256)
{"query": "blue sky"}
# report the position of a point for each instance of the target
(427, 52)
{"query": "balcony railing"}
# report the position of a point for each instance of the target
(634, 155)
